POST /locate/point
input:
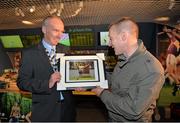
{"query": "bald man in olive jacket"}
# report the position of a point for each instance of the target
(137, 78)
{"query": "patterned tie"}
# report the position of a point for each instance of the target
(53, 61)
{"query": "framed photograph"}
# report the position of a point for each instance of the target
(104, 38)
(82, 71)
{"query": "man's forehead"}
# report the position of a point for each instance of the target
(56, 24)
(55, 20)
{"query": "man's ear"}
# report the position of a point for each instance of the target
(124, 36)
(44, 29)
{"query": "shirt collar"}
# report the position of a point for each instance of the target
(48, 46)
(123, 60)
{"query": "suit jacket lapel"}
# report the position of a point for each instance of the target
(43, 56)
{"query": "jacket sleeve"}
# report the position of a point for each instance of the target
(138, 99)
(26, 78)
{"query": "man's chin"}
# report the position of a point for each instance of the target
(116, 53)
(55, 44)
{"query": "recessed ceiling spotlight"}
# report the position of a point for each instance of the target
(27, 22)
(162, 19)
(19, 12)
(171, 4)
(32, 9)
(59, 11)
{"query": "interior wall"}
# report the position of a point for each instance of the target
(4, 60)
(147, 32)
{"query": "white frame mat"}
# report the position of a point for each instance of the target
(72, 77)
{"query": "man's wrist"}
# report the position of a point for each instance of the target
(101, 92)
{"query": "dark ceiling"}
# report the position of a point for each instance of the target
(86, 12)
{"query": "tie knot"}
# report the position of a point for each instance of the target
(52, 52)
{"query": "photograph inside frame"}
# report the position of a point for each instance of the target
(81, 71)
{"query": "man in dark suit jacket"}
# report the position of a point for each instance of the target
(37, 76)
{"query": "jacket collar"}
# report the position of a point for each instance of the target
(123, 60)
(42, 53)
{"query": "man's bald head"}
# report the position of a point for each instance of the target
(47, 20)
(126, 24)
(52, 28)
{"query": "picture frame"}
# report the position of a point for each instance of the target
(85, 71)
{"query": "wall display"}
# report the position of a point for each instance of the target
(82, 39)
(104, 38)
(9, 75)
(20, 41)
(25, 41)
(170, 60)
(110, 62)
(11, 41)
(82, 71)
(30, 40)
(14, 103)
(169, 57)
(14, 107)
(65, 39)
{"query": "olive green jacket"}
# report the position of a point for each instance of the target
(135, 86)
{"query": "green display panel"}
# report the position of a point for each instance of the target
(30, 40)
(65, 39)
(104, 38)
(82, 39)
(11, 41)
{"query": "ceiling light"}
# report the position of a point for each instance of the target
(79, 9)
(48, 7)
(32, 9)
(62, 6)
(51, 10)
(27, 22)
(19, 12)
(171, 4)
(162, 19)
(59, 11)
